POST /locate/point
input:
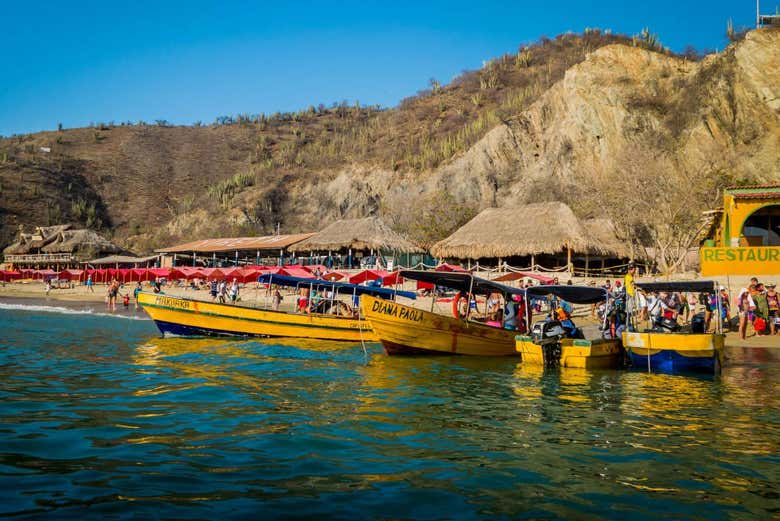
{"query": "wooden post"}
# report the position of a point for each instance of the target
(568, 260)
(587, 263)
(533, 262)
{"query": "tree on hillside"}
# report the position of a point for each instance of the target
(655, 202)
(426, 218)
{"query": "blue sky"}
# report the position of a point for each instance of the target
(83, 61)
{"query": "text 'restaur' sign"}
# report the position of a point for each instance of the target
(759, 260)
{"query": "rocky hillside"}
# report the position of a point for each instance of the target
(582, 118)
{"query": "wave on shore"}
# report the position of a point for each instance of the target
(68, 311)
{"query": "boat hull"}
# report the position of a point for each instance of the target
(671, 353)
(405, 330)
(186, 317)
(577, 353)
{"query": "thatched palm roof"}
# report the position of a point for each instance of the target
(526, 230)
(602, 231)
(358, 234)
(70, 241)
(20, 247)
(28, 242)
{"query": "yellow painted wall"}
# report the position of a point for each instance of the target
(735, 212)
(764, 260)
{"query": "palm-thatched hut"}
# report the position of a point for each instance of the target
(358, 237)
(82, 243)
(533, 230)
(31, 243)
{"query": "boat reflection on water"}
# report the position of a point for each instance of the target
(669, 407)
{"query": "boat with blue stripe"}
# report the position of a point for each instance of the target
(681, 351)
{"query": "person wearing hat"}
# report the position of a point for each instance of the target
(746, 307)
(762, 308)
(773, 303)
(628, 283)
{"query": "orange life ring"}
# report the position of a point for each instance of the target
(457, 312)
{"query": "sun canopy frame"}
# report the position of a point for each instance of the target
(338, 287)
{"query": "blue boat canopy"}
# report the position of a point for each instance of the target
(573, 294)
(337, 287)
(461, 281)
(691, 286)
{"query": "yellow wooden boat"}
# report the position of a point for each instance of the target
(405, 330)
(550, 342)
(408, 330)
(600, 353)
(677, 350)
(670, 352)
(177, 316)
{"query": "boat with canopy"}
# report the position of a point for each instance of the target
(668, 349)
(555, 341)
(326, 316)
(412, 331)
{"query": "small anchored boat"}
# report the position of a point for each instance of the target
(669, 348)
(556, 342)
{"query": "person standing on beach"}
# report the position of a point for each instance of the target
(222, 290)
(628, 283)
(136, 291)
(234, 291)
(113, 291)
(90, 284)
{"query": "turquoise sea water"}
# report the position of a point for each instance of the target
(101, 418)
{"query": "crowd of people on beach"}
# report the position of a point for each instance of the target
(757, 306)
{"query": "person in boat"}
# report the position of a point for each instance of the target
(562, 313)
(493, 305)
(656, 305)
(773, 302)
(303, 300)
(276, 300)
(510, 312)
(494, 314)
(692, 301)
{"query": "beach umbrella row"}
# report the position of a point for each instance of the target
(244, 274)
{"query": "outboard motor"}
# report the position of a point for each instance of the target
(548, 334)
(697, 323)
(666, 324)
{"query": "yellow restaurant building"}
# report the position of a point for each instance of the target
(746, 235)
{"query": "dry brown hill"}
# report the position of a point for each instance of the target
(570, 118)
